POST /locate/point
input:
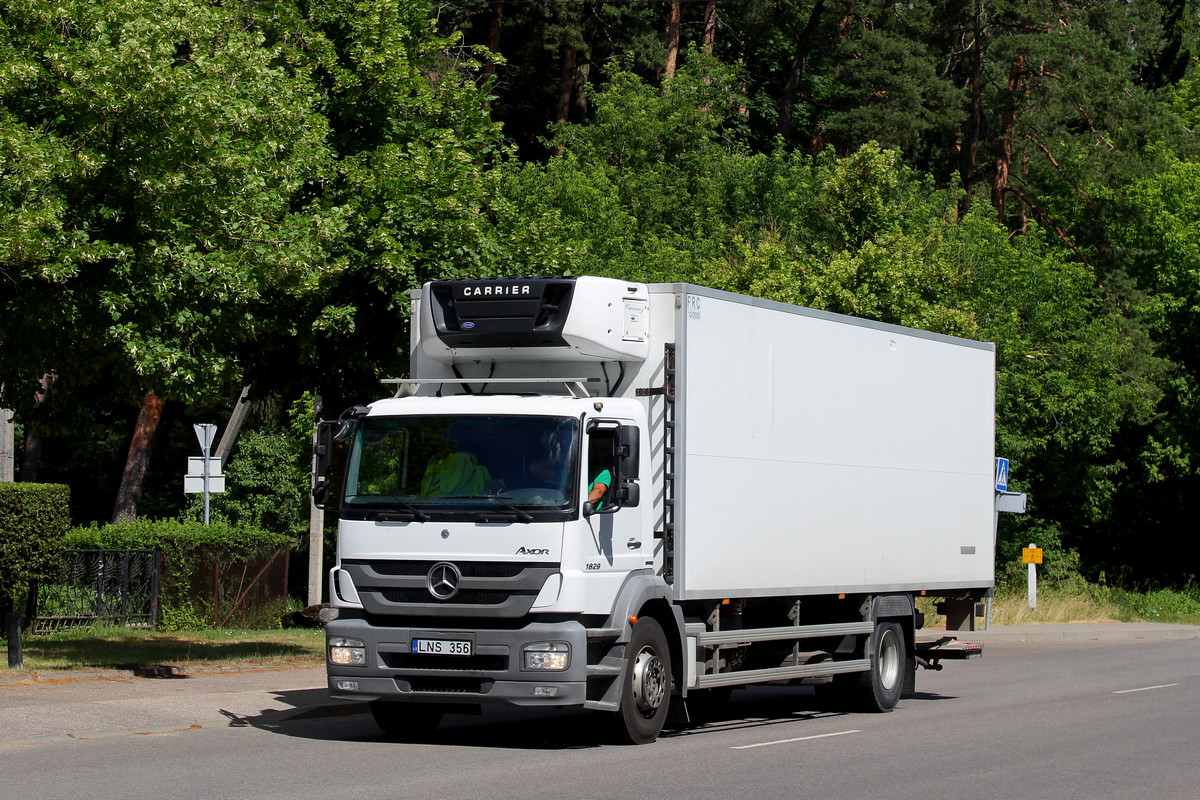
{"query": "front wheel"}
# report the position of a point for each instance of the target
(646, 688)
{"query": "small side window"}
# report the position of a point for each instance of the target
(602, 472)
(612, 467)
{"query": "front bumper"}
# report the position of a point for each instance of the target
(492, 675)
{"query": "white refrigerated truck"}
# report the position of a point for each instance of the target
(772, 487)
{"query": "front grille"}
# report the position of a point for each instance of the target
(462, 598)
(476, 663)
(445, 685)
(469, 569)
(501, 589)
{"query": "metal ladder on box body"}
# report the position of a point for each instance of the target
(667, 390)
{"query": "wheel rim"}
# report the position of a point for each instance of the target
(649, 682)
(889, 659)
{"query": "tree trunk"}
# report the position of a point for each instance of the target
(788, 104)
(709, 37)
(566, 81)
(489, 68)
(1008, 124)
(141, 445)
(673, 23)
(31, 459)
(583, 74)
(241, 407)
(970, 149)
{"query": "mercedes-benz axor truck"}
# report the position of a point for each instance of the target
(628, 497)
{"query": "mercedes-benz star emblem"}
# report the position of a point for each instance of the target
(442, 580)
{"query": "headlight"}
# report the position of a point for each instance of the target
(347, 652)
(546, 656)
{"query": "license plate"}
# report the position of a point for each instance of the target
(442, 647)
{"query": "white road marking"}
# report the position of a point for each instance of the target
(1146, 688)
(797, 739)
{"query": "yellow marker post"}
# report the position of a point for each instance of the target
(1032, 556)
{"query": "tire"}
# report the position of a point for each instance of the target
(646, 685)
(879, 688)
(910, 678)
(405, 720)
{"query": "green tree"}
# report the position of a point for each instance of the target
(174, 148)
(412, 138)
(1160, 237)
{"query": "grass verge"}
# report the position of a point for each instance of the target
(109, 647)
(1087, 603)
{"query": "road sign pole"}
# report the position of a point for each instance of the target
(205, 432)
(207, 493)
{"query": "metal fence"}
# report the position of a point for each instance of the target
(118, 586)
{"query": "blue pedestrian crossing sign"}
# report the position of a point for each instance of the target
(1001, 474)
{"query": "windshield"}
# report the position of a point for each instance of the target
(424, 465)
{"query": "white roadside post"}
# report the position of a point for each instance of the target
(7, 445)
(1032, 556)
(316, 522)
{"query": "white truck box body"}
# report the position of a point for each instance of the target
(820, 453)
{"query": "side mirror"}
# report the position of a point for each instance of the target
(629, 452)
(323, 450)
(629, 495)
(323, 446)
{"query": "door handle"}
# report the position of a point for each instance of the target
(633, 544)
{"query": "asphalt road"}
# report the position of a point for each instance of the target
(1032, 719)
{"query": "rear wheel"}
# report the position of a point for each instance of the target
(405, 720)
(646, 689)
(879, 688)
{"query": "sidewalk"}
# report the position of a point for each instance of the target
(61, 706)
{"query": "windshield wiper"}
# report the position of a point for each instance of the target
(409, 511)
(522, 516)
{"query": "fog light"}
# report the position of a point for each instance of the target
(347, 686)
(545, 691)
(546, 656)
(347, 652)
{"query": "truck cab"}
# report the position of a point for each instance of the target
(472, 568)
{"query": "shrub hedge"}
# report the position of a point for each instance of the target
(212, 576)
(33, 520)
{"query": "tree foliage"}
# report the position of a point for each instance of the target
(171, 150)
(198, 196)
